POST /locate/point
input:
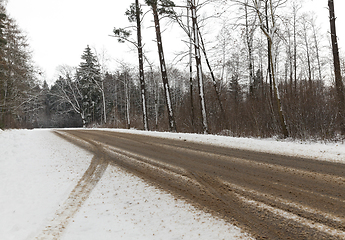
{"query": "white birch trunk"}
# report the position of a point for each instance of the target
(199, 68)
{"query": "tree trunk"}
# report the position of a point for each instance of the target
(171, 117)
(317, 51)
(295, 46)
(277, 98)
(103, 100)
(269, 32)
(249, 39)
(305, 30)
(82, 115)
(128, 102)
(190, 66)
(338, 79)
(199, 68)
(269, 51)
(141, 67)
(214, 82)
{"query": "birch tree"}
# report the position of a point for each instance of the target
(270, 30)
(67, 92)
(317, 45)
(199, 66)
(249, 35)
(306, 39)
(101, 61)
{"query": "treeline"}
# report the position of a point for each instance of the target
(269, 73)
(19, 88)
(309, 105)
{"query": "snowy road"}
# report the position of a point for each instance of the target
(270, 196)
(52, 189)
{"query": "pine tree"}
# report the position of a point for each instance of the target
(339, 85)
(134, 15)
(165, 7)
(88, 78)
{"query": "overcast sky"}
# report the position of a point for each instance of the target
(60, 30)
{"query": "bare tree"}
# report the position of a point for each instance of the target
(316, 38)
(134, 15)
(270, 30)
(249, 35)
(68, 91)
(305, 36)
(101, 60)
(296, 7)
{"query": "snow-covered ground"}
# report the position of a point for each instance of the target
(333, 152)
(39, 170)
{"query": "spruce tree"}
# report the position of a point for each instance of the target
(88, 78)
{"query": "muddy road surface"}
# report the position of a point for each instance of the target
(269, 196)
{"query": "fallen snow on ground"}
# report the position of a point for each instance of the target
(123, 206)
(38, 171)
(333, 152)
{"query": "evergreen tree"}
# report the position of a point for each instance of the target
(339, 85)
(2, 26)
(17, 75)
(2, 62)
(134, 15)
(88, 78)
(160, 8)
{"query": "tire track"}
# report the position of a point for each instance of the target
(78, 195)
(271, 196)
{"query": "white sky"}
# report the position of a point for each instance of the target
(59, 30)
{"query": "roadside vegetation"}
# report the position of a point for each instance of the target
(270, 71)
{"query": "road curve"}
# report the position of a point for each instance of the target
(269, 196)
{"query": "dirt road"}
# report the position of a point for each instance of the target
(270, 196)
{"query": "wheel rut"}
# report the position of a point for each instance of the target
(269, 196)
(65, 213)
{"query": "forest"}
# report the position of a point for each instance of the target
(271, 72)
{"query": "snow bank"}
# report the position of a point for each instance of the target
(334, 152)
